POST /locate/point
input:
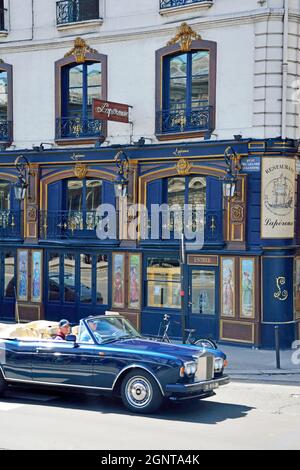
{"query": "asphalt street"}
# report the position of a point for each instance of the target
(240, 416)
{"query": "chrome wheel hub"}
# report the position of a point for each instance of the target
(138, 392)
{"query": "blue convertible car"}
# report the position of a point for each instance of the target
(109, 356)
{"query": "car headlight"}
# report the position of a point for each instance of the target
(219, 364)
(188, 369)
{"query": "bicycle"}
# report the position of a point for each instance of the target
(207, 343)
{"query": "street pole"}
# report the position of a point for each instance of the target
(182, 264)
(277, 347)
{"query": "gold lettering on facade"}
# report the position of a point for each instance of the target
(184, 36)
(281, 294)
(79, 51)
(183, 167)
(80, 170)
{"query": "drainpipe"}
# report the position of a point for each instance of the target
(285, 66)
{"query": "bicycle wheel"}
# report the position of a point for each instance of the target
(205, 343)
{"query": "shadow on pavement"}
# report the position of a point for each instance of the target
(197, 411)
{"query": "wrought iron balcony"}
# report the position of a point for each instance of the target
(70, 224)
(10, 224)
(77, 128)
(75, 11)
(171, 225)
(164, 4)
(5, 130)
(183, 120)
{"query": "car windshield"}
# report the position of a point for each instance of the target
(108, 329)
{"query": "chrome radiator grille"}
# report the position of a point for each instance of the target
(205, 369)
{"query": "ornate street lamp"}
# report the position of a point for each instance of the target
(20, 187)
(121, 181)
(232, 160)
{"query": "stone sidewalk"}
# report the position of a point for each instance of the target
(259, 365)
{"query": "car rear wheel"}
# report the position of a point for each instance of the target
(140, 392)
(2, 383)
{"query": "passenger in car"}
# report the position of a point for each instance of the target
(64, 329)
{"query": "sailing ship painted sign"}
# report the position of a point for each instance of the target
(278, 197)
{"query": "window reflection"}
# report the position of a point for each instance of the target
(163, 279)
(9, 275)
(3, 95)
(203, 292)
(85, 278)
(53, 277)
(102, 279)
(69, 278)
(4, 195)
(188, 81)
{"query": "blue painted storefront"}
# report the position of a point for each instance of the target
(153, 164)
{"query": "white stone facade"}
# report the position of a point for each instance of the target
(254, 39)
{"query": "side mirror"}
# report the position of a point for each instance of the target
(72, 339)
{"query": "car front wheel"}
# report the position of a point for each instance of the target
(141, 393)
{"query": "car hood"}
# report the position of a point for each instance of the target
(156, 348)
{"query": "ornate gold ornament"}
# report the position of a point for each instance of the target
(80, 170)
(237, 213)
(80, 49)
(183, 167)
(184, 36)
(281, 294)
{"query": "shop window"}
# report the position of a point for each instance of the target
(5, 104)
(54, 277)
(85, 279)
(163, 283)
(69, 278)
(102, 279)
(9, 275)
(78, 82)
(185, 98)
(84, 273)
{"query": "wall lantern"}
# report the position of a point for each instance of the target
(232, 160)
(121, 181)
(20, 187)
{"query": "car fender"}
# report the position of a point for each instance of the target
(126, 369)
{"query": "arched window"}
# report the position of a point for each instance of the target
(80, 77)
(185, 90)
(6, 112)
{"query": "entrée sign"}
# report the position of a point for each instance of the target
(109, 111)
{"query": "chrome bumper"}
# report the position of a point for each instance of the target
(195, 389)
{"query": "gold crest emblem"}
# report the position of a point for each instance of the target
(80, 170)
(183, 167)
(79, 51)
(184, 36)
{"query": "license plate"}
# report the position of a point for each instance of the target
(211, 386)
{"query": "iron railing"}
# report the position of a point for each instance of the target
(164, 4)
(184, 120)
(78, 127)
(207, 224)
(11, 223)
(5, 130)
(71, 224)
(74, 11)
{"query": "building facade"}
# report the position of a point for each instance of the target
(202, 78)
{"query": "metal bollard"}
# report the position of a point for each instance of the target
(277, 346)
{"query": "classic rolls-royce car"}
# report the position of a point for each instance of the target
(108, 355)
